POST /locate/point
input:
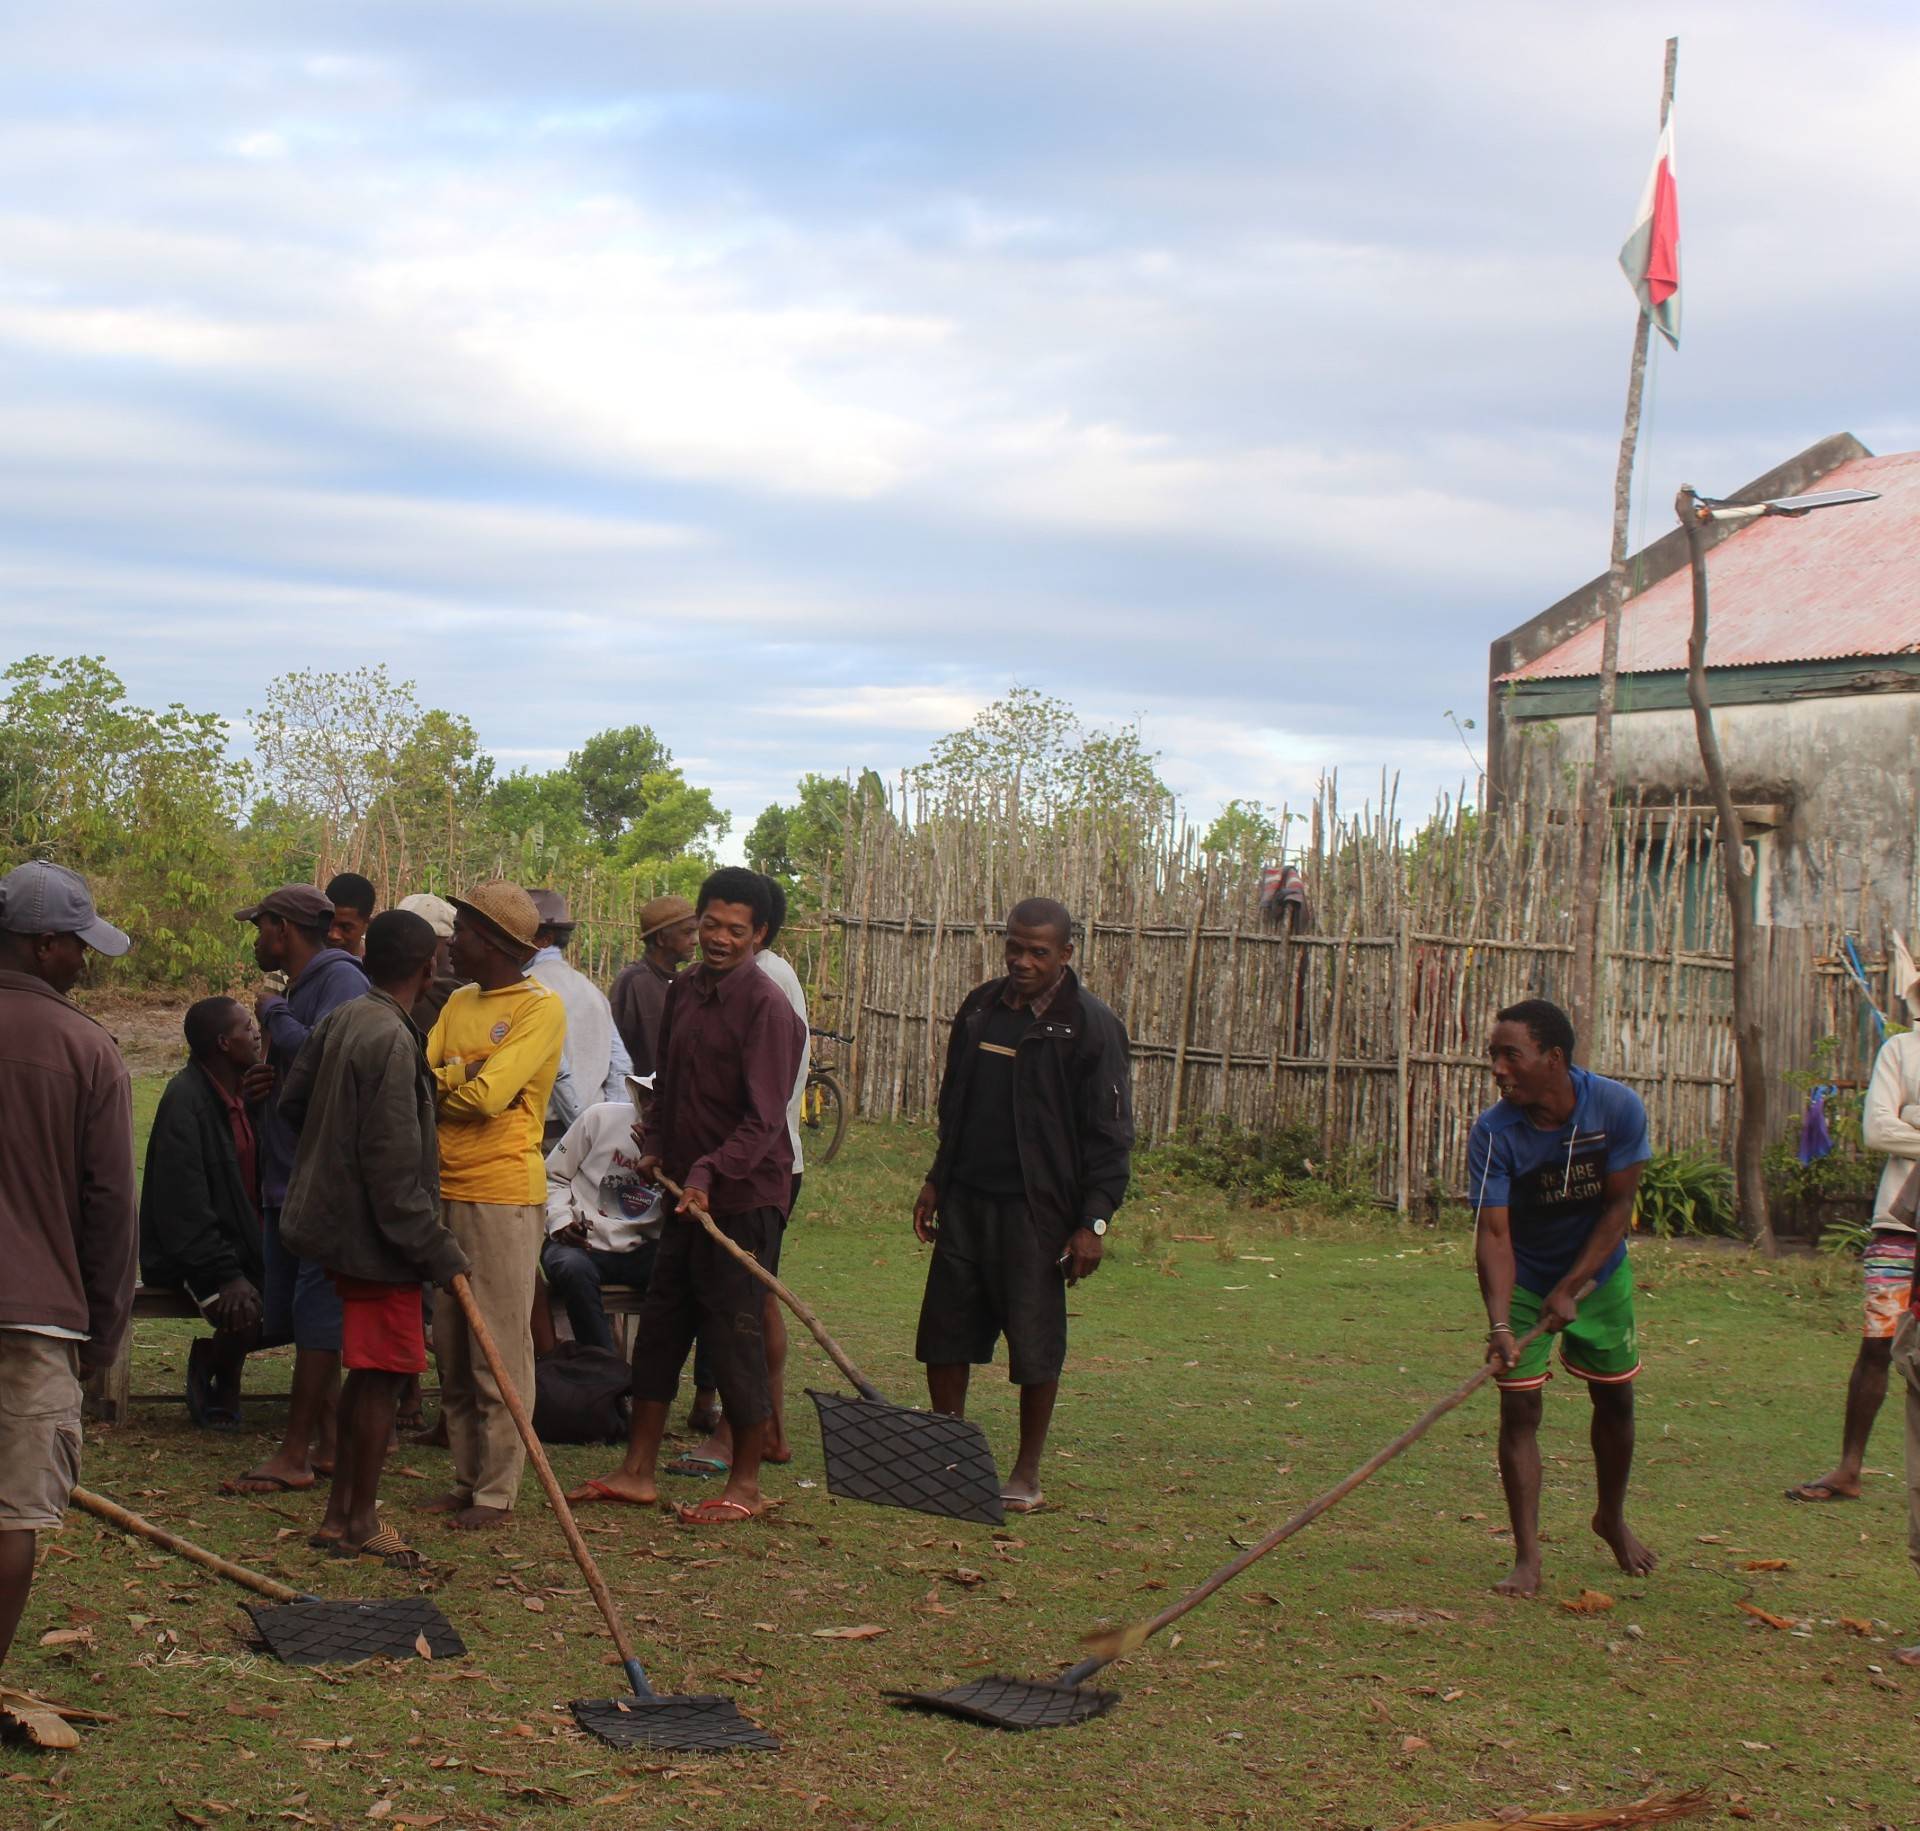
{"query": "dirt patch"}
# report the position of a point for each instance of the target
(147, 1029)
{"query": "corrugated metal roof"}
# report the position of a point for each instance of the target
(1827, 586)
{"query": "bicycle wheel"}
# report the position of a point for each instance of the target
(823, 1117)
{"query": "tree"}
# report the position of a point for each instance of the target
(144, 804)
(1033, 749)
(802, 842)
(1243, 832)
(329, 743)
(613, 769)
(673, 819)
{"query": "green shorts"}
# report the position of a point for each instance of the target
(1599, 1345)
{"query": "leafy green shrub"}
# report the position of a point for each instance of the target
(1284, 1167)
(1685, 1192)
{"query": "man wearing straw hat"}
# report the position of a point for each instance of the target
(639, 996)
(67, 1194)
(495, 1054)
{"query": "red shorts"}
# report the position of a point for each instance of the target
(380, 1327)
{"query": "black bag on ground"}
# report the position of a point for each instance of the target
(582, 1394)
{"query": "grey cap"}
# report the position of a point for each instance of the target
(553, 909)
(47, 899)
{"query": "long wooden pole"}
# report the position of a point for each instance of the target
(141, 1527)
(1749, 1044)
(1596, 822)
(1115, 1643)
(556, 1495)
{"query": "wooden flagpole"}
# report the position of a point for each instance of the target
(1596, 813)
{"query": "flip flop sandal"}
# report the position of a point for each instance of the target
(1818, 1493)
(267, 1484)
(599, 1491)
(698, 1465)
(1019, 1503)
(385, 1547)
(717, 1511)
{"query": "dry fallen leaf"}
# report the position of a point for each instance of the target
(420, 1645)
(1410, 1744)
(380, 1808)
(866, 1632)
(1760, 1614)
(534, 1604)
(1767, 1564)
(68, 1637)
(1589, 1602)
(324, 1744)
(1854, 1625)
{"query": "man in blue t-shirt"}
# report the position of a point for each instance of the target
(1554, 1168)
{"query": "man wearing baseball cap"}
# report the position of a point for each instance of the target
(670, 930)
(68, 1232)
(298, 1303)
(495, 1054)
(437, 913)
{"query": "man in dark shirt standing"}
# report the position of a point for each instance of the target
(1036, 1135)
(730, 1046)
(292, 925)
(670, 930)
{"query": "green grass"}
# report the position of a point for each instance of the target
(1362, 1676)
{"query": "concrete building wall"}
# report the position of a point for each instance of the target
(1846, 769)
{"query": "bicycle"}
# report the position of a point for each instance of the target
(823, 1106)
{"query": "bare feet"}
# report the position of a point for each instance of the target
(633, 1490)
(1633, 1557)
(478, 1519)
(448, 1503)
(1522, 1580)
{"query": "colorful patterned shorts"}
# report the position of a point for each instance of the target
(1888, 1265)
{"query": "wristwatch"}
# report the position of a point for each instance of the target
(1098, 1228)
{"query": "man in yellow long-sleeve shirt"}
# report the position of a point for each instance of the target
(495, 1053)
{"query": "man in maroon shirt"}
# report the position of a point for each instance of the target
(730, 1046)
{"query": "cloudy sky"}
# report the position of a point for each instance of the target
(795, 377)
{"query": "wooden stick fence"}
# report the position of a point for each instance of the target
(1368, 1030)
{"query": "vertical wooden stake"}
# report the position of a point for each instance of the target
(1333, 1033)
(1596, 822)
(1402, 1050)
(1183, 1030)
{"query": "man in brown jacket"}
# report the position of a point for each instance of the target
(364, 1202)
(68, 1198)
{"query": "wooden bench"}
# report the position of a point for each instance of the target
(109, 1393)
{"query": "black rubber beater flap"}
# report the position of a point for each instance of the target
(893, 1456)
(338, 1633)
(1013, 1703)
(711, 1725)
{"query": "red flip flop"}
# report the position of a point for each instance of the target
(597, 1490)
(716, 1510)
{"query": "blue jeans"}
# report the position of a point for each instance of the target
(576, 1273)
(297, 1298)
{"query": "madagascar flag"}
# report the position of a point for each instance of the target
(1651, 258)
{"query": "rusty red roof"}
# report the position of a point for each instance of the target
(1827, 586)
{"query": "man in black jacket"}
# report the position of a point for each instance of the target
(1036, 1133)
(200, 1199)
(364, 1201)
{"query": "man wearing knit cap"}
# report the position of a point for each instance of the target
(495, 1054)
(595, 1065)
(669, 929)
(437, 913)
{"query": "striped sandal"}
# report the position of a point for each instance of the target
(385, 1547)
